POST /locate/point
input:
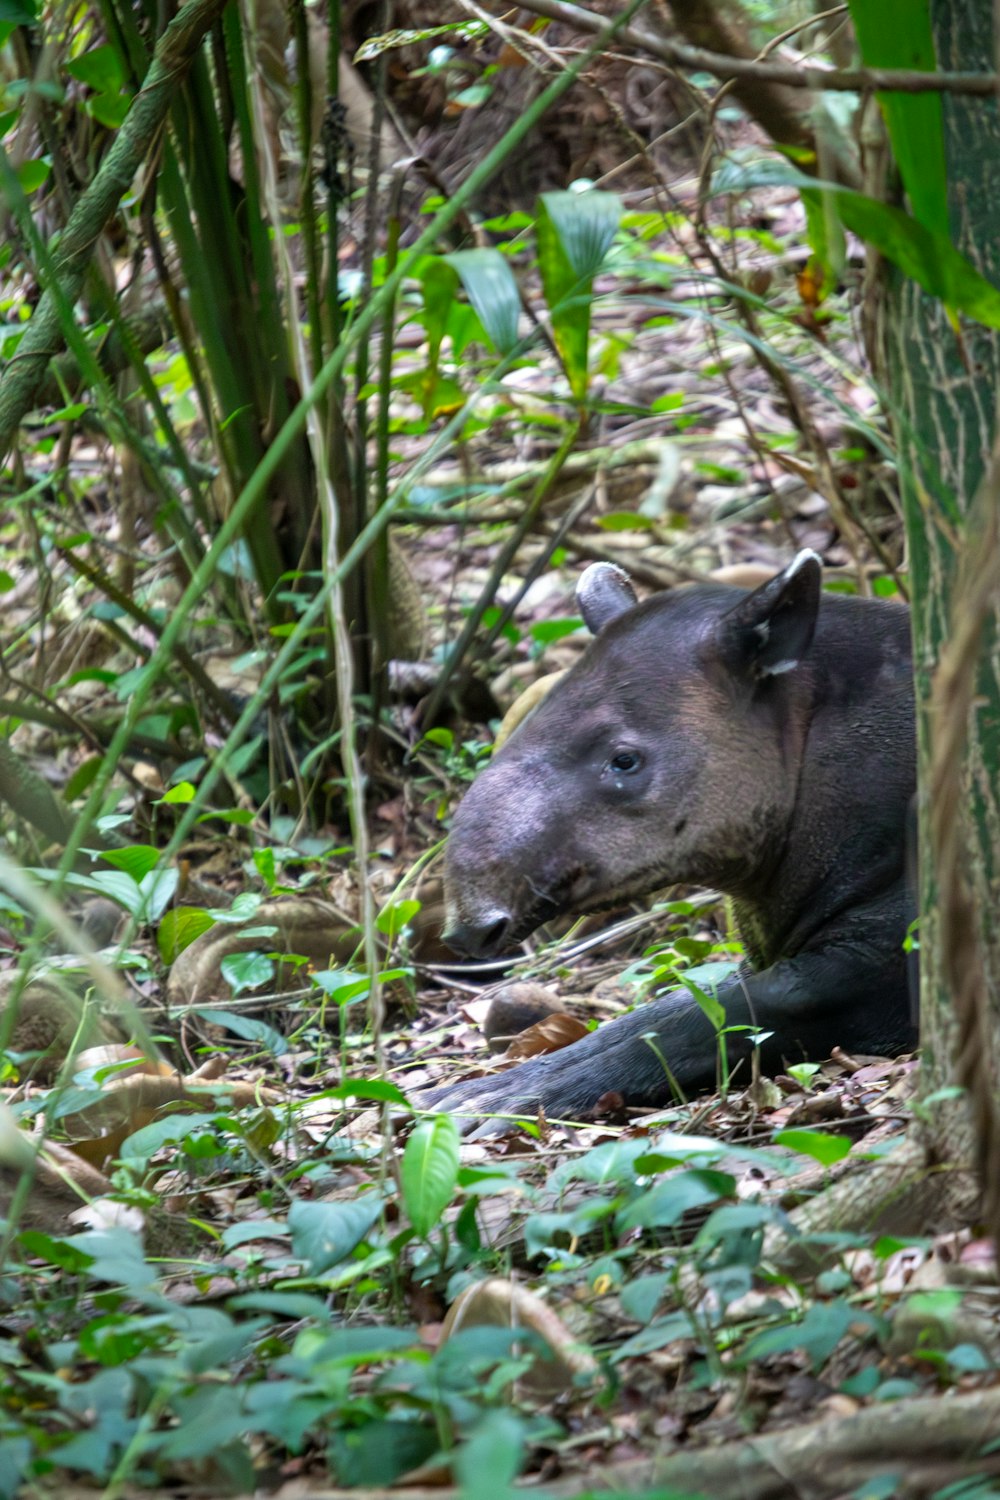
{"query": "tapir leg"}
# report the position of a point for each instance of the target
(847, 995)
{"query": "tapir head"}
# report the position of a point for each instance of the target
(670, 753)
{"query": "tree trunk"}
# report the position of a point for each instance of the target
(944, 388)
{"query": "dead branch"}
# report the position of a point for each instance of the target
(789, 75)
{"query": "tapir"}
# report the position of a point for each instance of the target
(761, 743)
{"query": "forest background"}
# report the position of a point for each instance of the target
(334, 344)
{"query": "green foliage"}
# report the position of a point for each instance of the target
(897, 34)
(429, 1172)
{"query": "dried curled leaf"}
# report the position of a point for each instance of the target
(549, 1035)
(496, 1303)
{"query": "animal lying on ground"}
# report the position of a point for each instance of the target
(762, 743)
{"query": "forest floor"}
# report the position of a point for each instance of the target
(322, 1296)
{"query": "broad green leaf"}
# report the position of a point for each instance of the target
(574, 233)
(546, 631)
(544, 1233)
(54, 1252)
(294, 1305)
(380, 1451)
(897, 34)
(640, 1298)
(366, 1088)
(144, 1143)
(429, 1171)
(18, 13)
(83, 777)
(393, 918)
(99, 68)
(585, 225)
(625, 520)
(247, 1027)
(341, 985)
(323, 1234)
(247, 1230)
(182, 793)
(179, 928)
(147, 901)
(31, 174)
(137, 860)
(491, 288)
(246, 971)
(491, 1460)
(612, 1161)
(826, 1149)
(666, 1204)
(664, 1331)
(117, 1257)
(818, 1333)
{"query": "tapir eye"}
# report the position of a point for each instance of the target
(625, 761)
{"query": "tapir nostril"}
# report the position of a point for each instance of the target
(493, 937)
(479, 939)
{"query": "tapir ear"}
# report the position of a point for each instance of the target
(769, 631)
(603, 593)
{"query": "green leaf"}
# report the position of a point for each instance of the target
(179, 928)
(585, 225)
(376, 45)
(818, 1333)
(108, 109)
(117, 1257)
(826, 1149)
(100, 68)
(491, 288)
(429, 1171)
(137, 860)
(83, 776)
(247, 1027)
(641, 1298)
(491, 1460)
(897, 34)
(32, 174)
(147, 901)
(927, 257)
(544, 632)
(366, 1088)
(18, 12)
(246, 971)
(612, 1161)
(544, 1233)
(393, 918)
(379, 1452)
(144, 1143)
(664, 1331)
(625, 520)
(666, 1204)
(341, 985)
(182, 793)
(574, 233)
(324, 1234)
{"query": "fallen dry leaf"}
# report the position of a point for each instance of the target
(497, 1303)
(549, 1035)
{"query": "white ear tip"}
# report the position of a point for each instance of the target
(598, 573)
(802, 560)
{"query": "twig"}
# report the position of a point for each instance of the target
(790, 75)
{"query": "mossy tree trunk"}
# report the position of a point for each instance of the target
(944, 386)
